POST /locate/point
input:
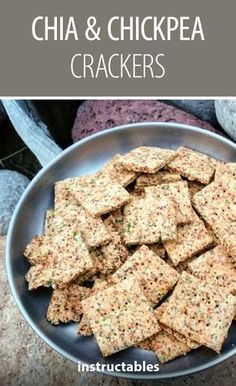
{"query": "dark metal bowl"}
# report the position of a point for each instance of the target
(85, 157)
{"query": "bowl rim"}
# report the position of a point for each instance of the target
(9, 241)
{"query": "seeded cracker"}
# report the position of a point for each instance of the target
(71, 214)
(159, 311)
(146, 159)
(39, 250)
(118, 218)
(48, 221)
(114, 254)
(226, 233)
(62, 196)
(217, 205)
(148, 221)
(65, 304)
(154, 275)
(200, 311)
(115, 172)
(145, 344)
(121, 323)
(178, 192)
(84, 326)
(193, 165)
(191, 239)
(223, 276)
(167, 347)
(69, 258)
(156, 248)
(202, 265)
(225, 172)
(161, 177)
(98, 195)
(97, 259)
(167, 344)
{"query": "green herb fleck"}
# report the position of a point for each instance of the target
(105, 319)
(76, 237)
(129, 226)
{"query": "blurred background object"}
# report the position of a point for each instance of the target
(226, 115)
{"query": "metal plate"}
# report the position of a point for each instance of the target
(85, 157)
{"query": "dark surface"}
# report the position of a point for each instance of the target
(59, 116)
(3, 114)
(14, 154)
(84, 158)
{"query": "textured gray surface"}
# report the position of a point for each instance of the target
(202, 109)
(12, 185)
(226, 114)
(27, 360)
(33, 132)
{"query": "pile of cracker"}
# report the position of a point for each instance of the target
(143, 252)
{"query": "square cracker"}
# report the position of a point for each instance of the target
(98, 194)
(74, 216)
(84, 325)
(156, 248)
(120, 316)
(62, 196)
(167, 347)
(154, 275)
(49, 276)
(225, 172)
(39, 250)
(65, 304)
(179, 192)
(167, 344)
(191, 239)
(200, 311)
(223, 276)
(147, 220)
(159, 311)
(115, 172)
(225, 231)
(193, 165)
(217, 205)
(118, 218)
(115, 253)
(97, 259)
(202, 265)
(62, 258)
(145, 344)
(161, 177)
(146, 159)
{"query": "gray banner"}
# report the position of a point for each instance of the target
(31, 67)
